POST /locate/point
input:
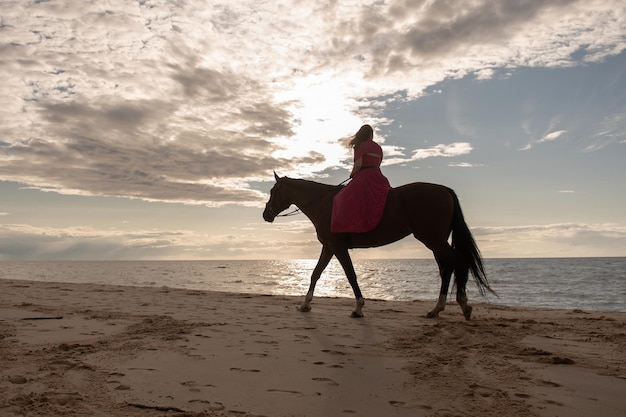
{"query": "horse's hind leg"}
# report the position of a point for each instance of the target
(461, 272)
(322, 263)
(445, 261)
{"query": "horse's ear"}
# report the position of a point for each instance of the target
(276, 176)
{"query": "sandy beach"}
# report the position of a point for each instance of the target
(93, 350)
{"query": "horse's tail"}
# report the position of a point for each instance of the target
(464, 246)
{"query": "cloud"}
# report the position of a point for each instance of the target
(612, 129)
(482, 35)
(289, 239)
(552, 136)
(198, 101)
(549, 137)
(26, 242)
(465, 165)
(132, 160)
(23, 242)
(568, 239)
(395, 155)
(446, 151)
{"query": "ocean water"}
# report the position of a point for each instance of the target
(569, 283)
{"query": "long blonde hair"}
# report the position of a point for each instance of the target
(365, 133)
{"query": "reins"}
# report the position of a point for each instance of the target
(291, 213)
(297, 209)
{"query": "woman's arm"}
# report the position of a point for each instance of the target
(357, 166)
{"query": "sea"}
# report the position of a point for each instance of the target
(564, 283)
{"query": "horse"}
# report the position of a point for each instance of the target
(430, 212)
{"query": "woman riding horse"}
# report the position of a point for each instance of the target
(430, 212)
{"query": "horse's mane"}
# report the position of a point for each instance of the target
(314, 185)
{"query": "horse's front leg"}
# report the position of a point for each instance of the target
(322, 263)
(344, 259)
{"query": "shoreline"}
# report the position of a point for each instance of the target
(91, 349)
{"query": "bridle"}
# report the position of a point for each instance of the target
(270, 209)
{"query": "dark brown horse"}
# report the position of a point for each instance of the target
(428, 211)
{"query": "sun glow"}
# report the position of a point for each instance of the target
(325, 117)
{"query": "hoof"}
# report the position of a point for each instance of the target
(356, 315)
(304, 309)
(432, 314)
(467, 312)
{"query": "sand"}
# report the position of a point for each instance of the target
(93, 350)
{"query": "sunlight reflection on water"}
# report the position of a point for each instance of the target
(388, 280)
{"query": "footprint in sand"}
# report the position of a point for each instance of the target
(327, 381)
(285, 391)
(336, 366)
(483, 391)
(199, 401)
(333, 352)
(17, 380)
(197, 356)
(194, 386)
(258, 355)
(562, 361)
(245, 370)
(216, 407)
(547, 383)
(189, 383)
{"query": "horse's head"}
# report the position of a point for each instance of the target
(278, 200)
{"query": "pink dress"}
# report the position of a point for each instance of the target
(359, 206)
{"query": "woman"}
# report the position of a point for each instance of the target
(359, 206)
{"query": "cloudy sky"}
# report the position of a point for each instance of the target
(149, 129)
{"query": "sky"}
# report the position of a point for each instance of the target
(150, 129)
